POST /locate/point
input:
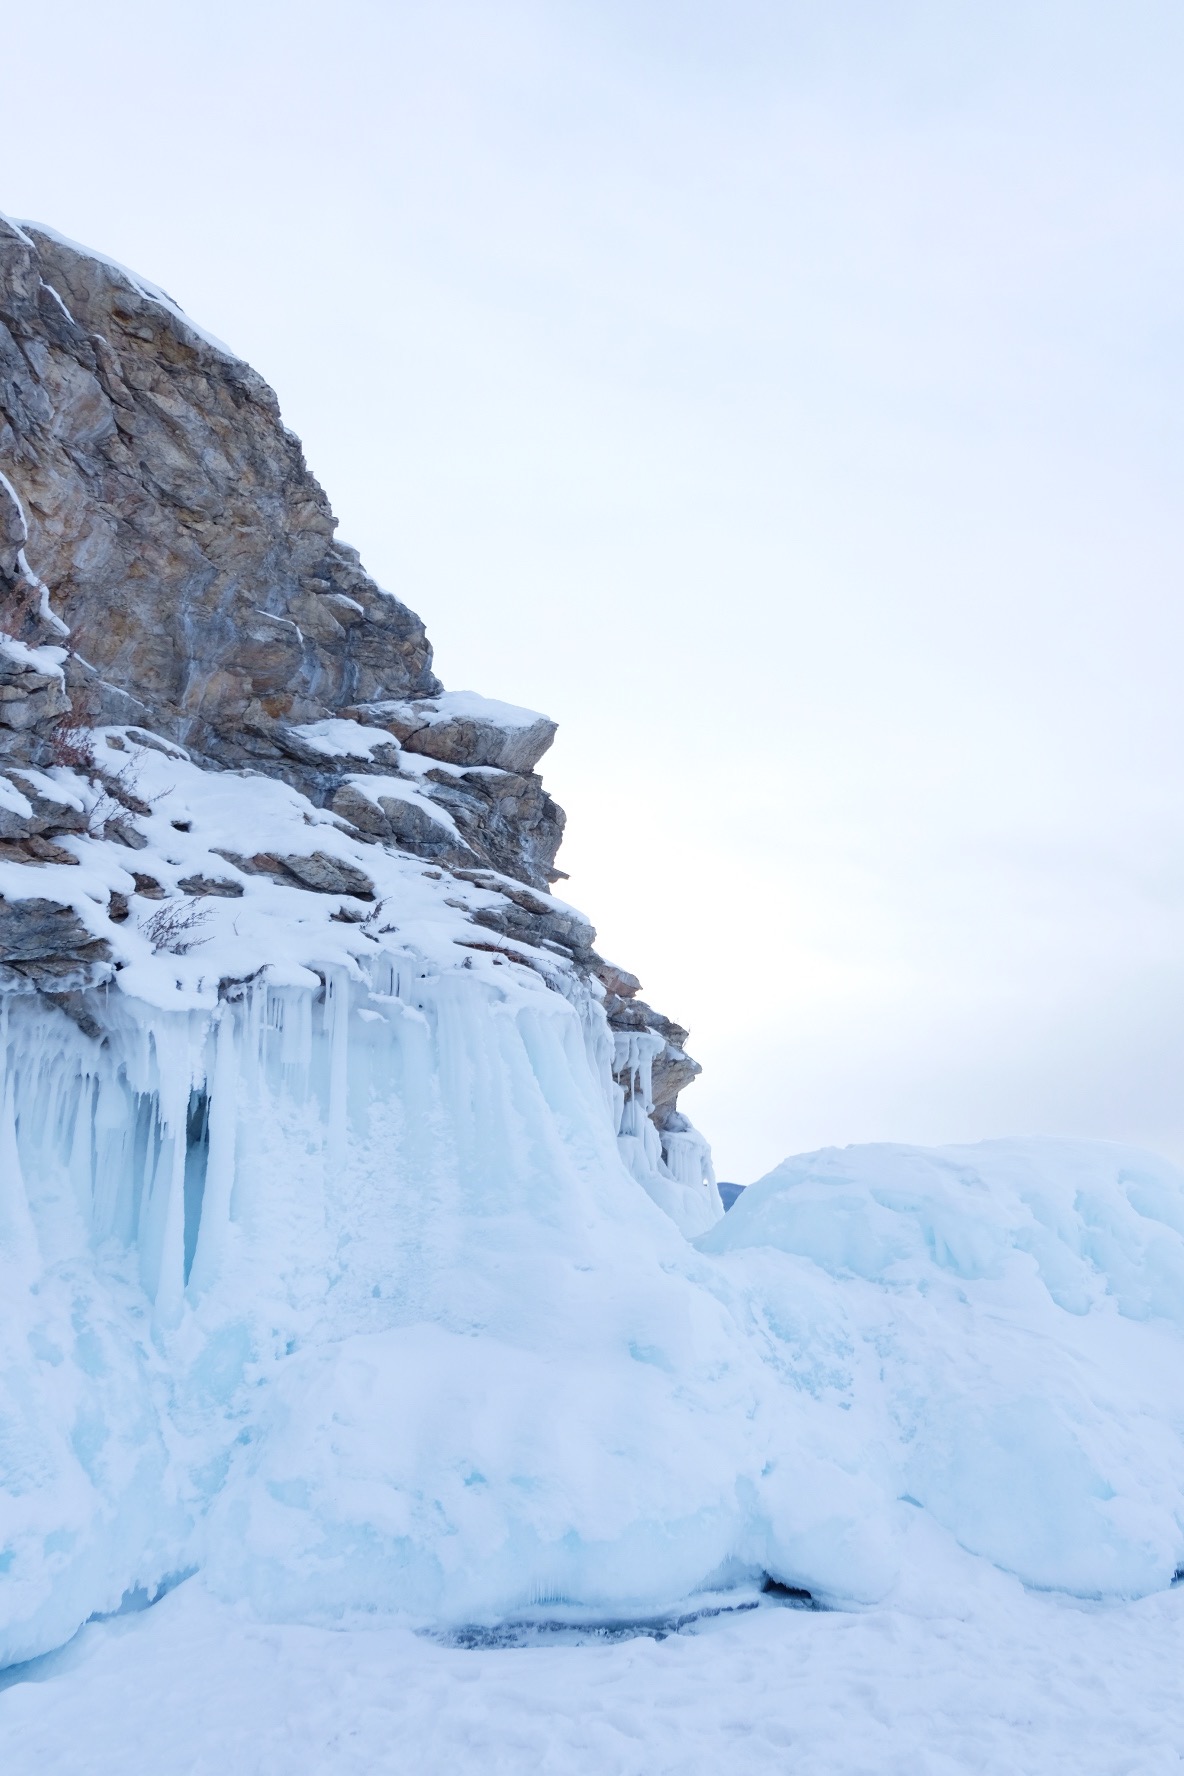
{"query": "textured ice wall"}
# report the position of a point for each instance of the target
(348, 1298)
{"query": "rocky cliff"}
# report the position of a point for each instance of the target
(170, 579)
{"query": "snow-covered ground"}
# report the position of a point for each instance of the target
(978, 1345)
(988, 1678)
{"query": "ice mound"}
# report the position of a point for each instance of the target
(346, 1298)
(1004, 1325)
(341, 1291)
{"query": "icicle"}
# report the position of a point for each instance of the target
(337, 1005)
(18, 1237)
(162, 1258)
(223, 1125)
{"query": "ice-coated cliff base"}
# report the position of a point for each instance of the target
(341, 1263)
(341, 1295)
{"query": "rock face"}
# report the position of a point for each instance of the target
(46, 945)
(190, 552)
(169, 565)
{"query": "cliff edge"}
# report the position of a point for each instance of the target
(170, 575)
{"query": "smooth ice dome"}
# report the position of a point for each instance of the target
(1004, 1325)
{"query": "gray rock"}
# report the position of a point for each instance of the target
(14, 532)
(319, 872)
(124, 833)
(673, 1068)
(46, 945)
(458, 731)
(32, 702)
(329, 875)
(34, 850)
(406, 824)
(222, 887)
(618, 983)
(508, 820)
(51, 814)
(533, 918)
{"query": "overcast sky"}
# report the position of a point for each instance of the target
(787, 398)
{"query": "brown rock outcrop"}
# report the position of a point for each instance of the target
(190, 551)
(167, 560)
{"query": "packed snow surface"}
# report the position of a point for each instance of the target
(472, 706)
(979, 1677)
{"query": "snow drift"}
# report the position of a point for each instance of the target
(1004, 1324)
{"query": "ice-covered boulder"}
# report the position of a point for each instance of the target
(1005, 1324)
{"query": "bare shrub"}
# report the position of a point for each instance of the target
(372, 924)
(173, 929)
(104, 808)
(118, 794)
(70, 743)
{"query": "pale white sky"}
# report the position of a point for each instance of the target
(785, 397)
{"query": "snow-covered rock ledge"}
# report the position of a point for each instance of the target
(463, 728)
